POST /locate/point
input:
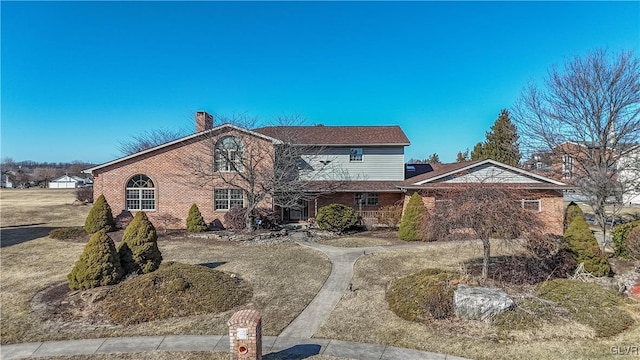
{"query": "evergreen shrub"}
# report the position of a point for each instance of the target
(100, 217)
(139, 252)
(619, 235)
(410, 223)
(98, 265)
(195, 222)
(336, 217)
(585, 248)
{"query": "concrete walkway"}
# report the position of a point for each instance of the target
(273, 348)
(317, 312)
(294, 342)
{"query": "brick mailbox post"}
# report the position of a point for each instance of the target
(245, 335)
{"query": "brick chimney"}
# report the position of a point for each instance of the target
(204, 121)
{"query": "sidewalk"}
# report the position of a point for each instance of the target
(272, 347)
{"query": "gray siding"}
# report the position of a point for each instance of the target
(378, 163)
(489, 173)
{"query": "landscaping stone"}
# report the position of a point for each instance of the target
(477, 303)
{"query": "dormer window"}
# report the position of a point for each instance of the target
(355, 155)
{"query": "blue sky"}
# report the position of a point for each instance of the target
(78, 77)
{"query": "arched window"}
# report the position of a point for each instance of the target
(228, 154)
(141, 193)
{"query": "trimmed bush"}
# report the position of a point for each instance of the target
(195, 222)
(336, 217)
(632, 243)
(66, 233)
(100, 217)
(98, 265)
(585, 248)
(139, 253)
(619, 235)
(571, 213)
(410, 223)
(423, 296)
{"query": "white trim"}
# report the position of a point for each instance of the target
(177, 141)
(489, 161)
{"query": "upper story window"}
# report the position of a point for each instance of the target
(355, 154)
(567, 166)
(228, 154)
(140, 193)
(367, 199)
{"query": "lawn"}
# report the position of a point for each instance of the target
(364, 315)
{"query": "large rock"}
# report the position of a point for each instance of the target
(479, 303)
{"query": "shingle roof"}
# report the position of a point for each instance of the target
(337, 135)
(440, 169)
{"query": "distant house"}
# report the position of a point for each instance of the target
(68, 182)
(537, 193)
(630, 176)
(6, 182)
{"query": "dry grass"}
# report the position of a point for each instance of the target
(53, 207)
(364, 316)
(357, 242)
(285, 278)
(170, 355)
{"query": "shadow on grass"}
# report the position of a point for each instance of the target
(213, 265)
(18, 235)
(296, 352)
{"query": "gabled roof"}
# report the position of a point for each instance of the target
(436, 178)
(338, 135)
(182, 139)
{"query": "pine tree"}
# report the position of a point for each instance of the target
(478, 152)
(98, 265)
(433, 159)
(410, 223)
(100, 217)
(462, 156)
(139, 253)
(195, 222)
(502, 141)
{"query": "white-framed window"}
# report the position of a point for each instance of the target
(225, 199)
(567, 166)
(367, 198)
(228, 154)
(355, 155)
(140, 193)
(531, 204)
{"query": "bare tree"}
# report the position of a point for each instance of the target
(588, 113)
(148, 139)
(280, 171)
(484, 211)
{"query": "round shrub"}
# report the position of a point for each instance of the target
(100, 217)
(98, 265)
(410, 223)
(336, 217)
(619, 235)
(585, 249)
(195, 222)
(423, 296)
(138, 250)
(632, 243)
(66, 233)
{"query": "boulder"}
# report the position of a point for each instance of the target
(477, 303)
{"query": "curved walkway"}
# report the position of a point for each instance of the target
(294, 342)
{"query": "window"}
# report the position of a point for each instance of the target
(225, 199)
(140, 193)
(567, 166)
(355, 154)
(228, 154)
(367, 199)
(531, 204)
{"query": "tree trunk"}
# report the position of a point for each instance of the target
(485, 258)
